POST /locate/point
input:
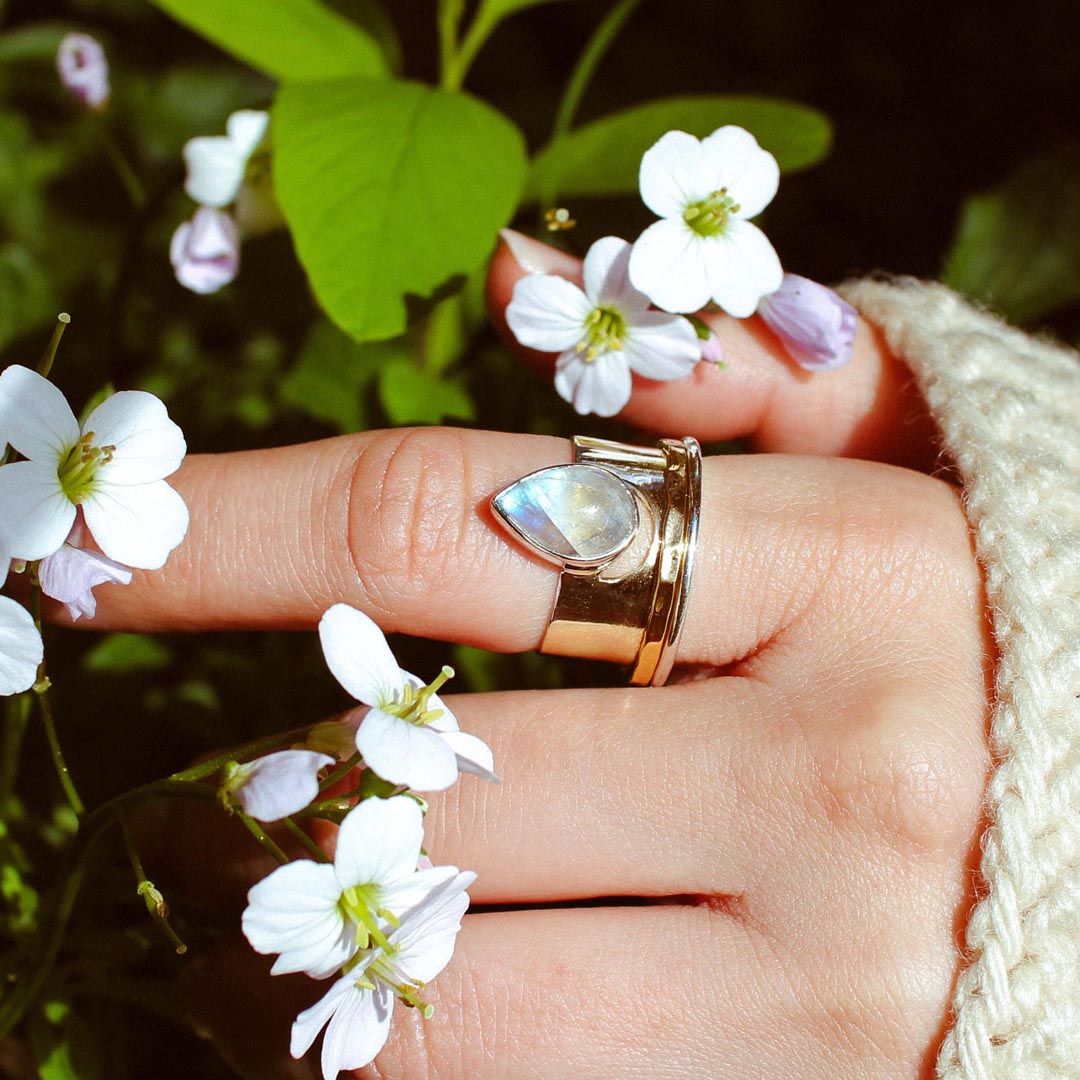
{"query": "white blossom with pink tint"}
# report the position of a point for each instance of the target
(205, 251)
(217, 164)
(276, 785)
(83, 69)
(816, 326)
(712, 351)
(20, 647)
(71, 574)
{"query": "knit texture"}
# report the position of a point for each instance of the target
(1008, 407)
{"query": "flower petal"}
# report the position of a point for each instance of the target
(667, 263)
(661, 346)
(357, 1031)
(149, 446)
(607, 283)
(35, 416)
(71, 574)
(279, 784)
(358, 657)
(379, 841)
(20, 648)
(601, 386)
(83, 69)
(310, 1022)
(246, 129)
(205, 251)
(473, 755)
(737, 162)
(674, 173)
(742, 267)
(138, 525)
(409, 893)
(214, 170)
(547, 312)
(37, 515)
(405, 754)
(426, 939)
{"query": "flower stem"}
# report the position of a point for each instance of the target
(456, 60)
(340, 772)
(122, 167)
(259, 833)
(45, 366)
(579, 81)
(297, 833)
(41, 689)
(155, 902)
(239, 753)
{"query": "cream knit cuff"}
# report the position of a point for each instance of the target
(1008, 406)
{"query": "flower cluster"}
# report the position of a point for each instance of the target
(380, 917)
(223, 172)
(703, 251)
(101, 483)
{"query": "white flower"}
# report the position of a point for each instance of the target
(113, 468)
(71, 573)
(409, 736)
(20, 645)
(816, 327)
(357, 1009)
(205, 251)
(603, 332)
(705, 248)
(83, 69)
(216, 164)
(318, 916)
(276, 785)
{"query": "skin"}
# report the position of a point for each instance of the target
(801, 803)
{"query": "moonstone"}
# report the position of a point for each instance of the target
(576, 514)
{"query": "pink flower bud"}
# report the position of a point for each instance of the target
(83, 69)
(712, 352)
(205, 251)
(816, 326)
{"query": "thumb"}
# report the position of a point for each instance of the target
(870, 408)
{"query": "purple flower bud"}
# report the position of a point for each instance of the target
(71, 574)
(205, 251)
(815, 325)
(83, 69)
(712, 352)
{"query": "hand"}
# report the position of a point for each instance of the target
(801, 810)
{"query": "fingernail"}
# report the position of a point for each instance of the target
(534, 257)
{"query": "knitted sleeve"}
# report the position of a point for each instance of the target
(1008, 407)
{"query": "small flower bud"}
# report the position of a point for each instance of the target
(83, 69)
(205, 251)
(816, 327)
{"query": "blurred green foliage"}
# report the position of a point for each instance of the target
(369, 311)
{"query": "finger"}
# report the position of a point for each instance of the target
(871, 408)
(398, 523)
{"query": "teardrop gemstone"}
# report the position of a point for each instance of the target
(578, 515)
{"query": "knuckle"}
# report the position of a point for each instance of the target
(406, 520)
(903, 771)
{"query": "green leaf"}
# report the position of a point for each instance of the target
(412, 396)
(65, 1047)
(602, 158)
(121, 653)
(391, 189)
(500, 9)
(289, 39)
(330, 375)
(1017, 248)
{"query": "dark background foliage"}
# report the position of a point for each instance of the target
(930, 102)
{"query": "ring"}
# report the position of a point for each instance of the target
(621, 523)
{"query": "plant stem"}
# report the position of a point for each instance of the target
(122, 167)
(238, 753)
(298, 834)
(160, 911)
(584, 69)
(457, 61)
(340, 772)
(259, 833)
(41, 689)
(448, 18)
(16, 720)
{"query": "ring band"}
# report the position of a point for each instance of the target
(622, 523)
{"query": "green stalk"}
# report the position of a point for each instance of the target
(310, 846)
(41, 689)
(448, 18)
(46, 364)
(580, 78)
(239, 753)
(340, 772)
(159, 911)
(16, 720)
(136, 193)
(259, 833)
